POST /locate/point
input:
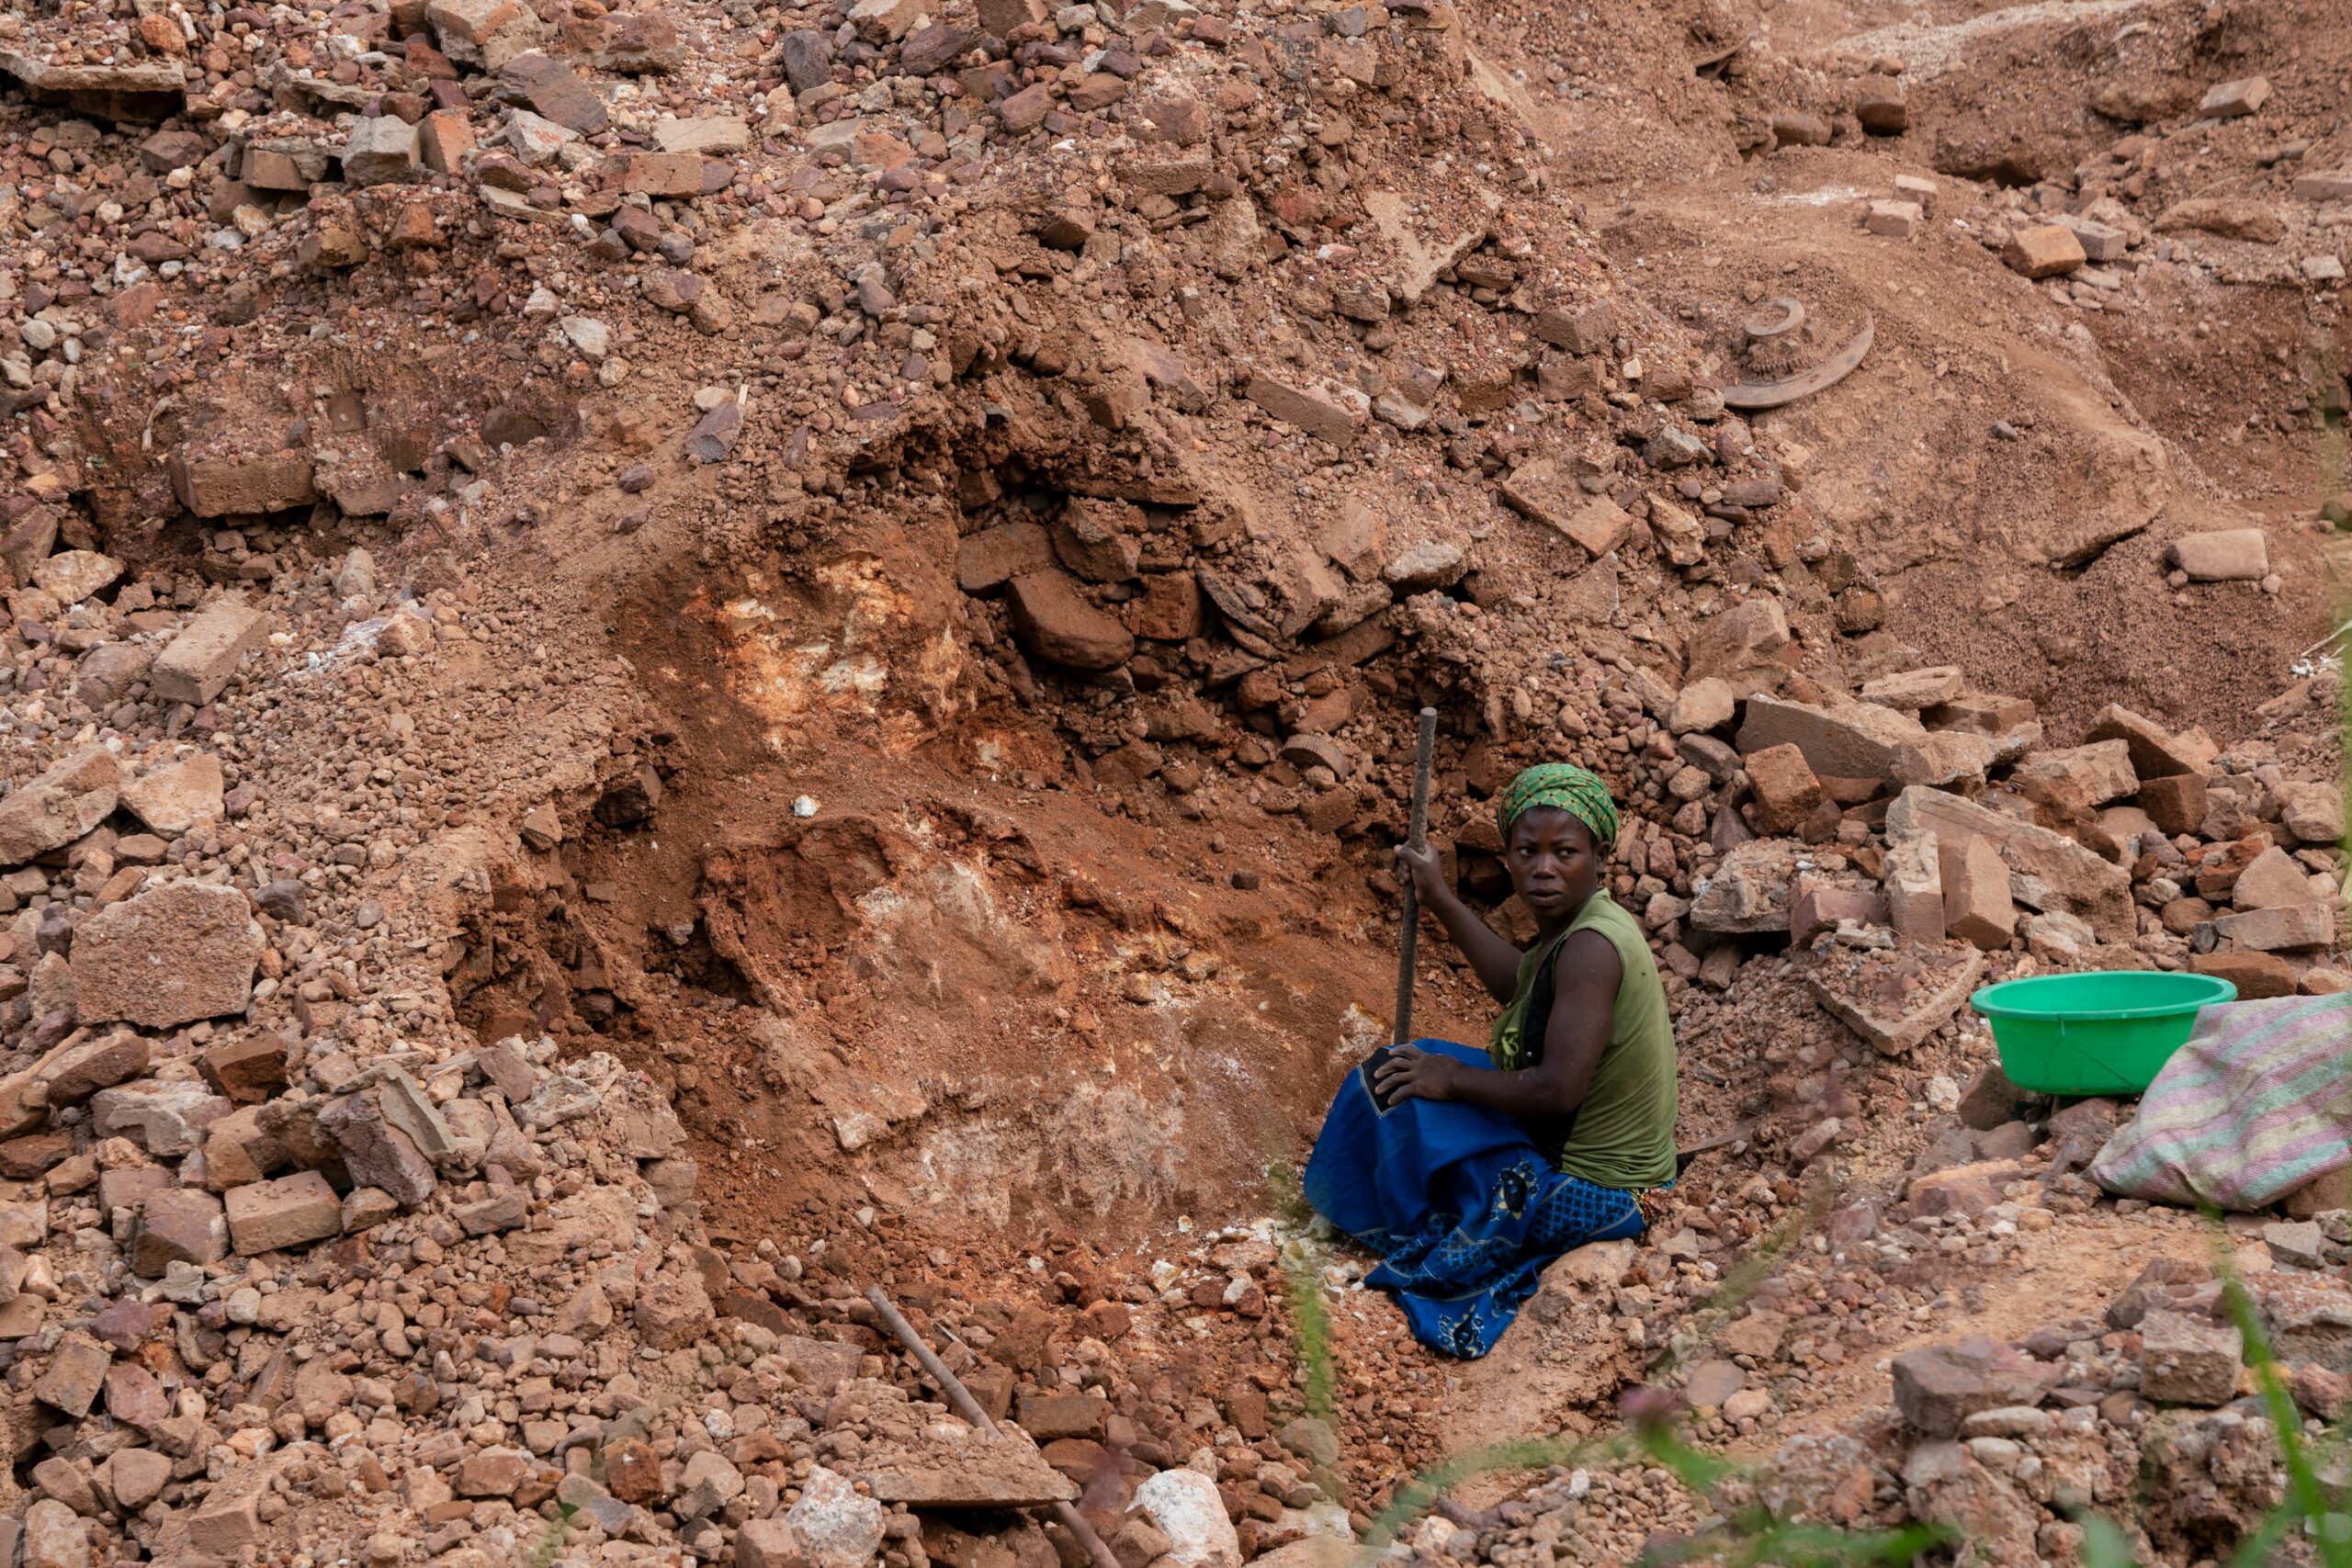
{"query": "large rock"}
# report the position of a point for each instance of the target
(375, 1152)
(1786, 789)
(1543, 491)
(55, 1536)
(167, 1117)
(180, 1225)
(2312, 812)
(712, 135)
(1184, 1506)
(74, 796)
(2225, 555)
(673, 1309)
(2048, 870)
(960, 1467)
(71, 576)
(555, 92)
(1851, 740)
(174, 955)
(2309, 1318)
(1939, 1388)
(1913, 690)
(1976, 884)
(987, 560)
(1914, 889)
(1059, 626)
(837, 1528)
(1896, 1000)
(1318, 412)
(2283, 928)
(2273, 879)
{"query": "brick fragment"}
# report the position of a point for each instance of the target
(1976, 881)
(270, 1216)
(218, 487)
(198, 662)
(2043, 250)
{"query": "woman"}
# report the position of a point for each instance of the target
(1468, 1172)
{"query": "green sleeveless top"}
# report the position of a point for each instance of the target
(1624, 1134)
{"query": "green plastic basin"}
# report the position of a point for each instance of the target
(2104, 1033)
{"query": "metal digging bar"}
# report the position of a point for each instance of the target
(970, 1409)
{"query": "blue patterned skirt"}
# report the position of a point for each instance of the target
(1462, 1206)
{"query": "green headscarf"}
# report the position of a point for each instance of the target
(1574, 790)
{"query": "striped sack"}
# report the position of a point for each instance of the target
(2256, 1104)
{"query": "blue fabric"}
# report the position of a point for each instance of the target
(1462, 1206)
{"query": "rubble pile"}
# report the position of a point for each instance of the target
(2008, 1441)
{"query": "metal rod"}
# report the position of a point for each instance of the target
(2323, 642)
(970, 1409)
(1424, 745)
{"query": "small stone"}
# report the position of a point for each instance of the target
(2235, 99)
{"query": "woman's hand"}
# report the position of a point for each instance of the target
(1409, 1074)
(1423, 867)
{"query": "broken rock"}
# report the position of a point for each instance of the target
(2079, 778)
(1184, 1506)
(1940, 1388)
(1324, 415)
(1539, 491)
(1057, 623)
(178, 797)
(2186, 1359)
(171, 955)
(74, 796)
(836, 1527)
(2058, 871)
(1851, 740)
(2043, 250)
(270, 1216)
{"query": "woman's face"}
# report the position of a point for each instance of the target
(1553, 862)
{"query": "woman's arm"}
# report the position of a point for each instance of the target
(1584, 1004)
(1495, 960)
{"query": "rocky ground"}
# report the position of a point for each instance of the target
(665, 663)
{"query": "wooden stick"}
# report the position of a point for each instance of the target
(970, 1409)
(1425, 744)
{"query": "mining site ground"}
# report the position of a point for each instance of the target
(664, 664)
